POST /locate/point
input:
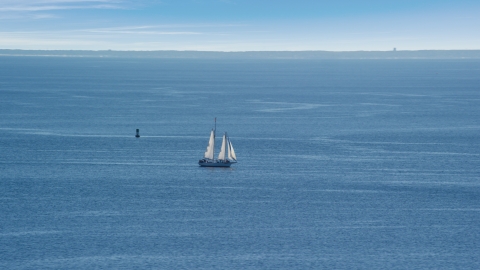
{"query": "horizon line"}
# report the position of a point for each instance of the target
(173, 50)
(191, 54)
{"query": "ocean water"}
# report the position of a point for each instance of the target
(342, 164)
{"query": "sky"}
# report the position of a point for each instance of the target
(240, 25)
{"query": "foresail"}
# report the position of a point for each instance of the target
(211, 146)
(231, 152)
(221, 155)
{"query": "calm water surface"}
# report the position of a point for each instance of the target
(343, 164)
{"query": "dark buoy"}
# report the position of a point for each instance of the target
(138, 133)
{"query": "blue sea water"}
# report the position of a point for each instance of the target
(343, 164)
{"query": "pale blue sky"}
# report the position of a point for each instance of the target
(239, 25)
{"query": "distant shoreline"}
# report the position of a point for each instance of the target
(421, 54)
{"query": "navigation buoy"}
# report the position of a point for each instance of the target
(138, 133)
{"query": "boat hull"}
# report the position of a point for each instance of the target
(215, 164)
(225, 165)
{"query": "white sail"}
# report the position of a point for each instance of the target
(221, 155)
(231, 152)
(211, 146)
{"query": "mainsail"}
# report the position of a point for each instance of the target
(211, 146)
(221, 155)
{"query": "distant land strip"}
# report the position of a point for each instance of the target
(394, 54)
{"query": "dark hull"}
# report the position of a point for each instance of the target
(214, 164)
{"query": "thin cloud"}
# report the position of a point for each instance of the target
(50, 2)
(59, 7)
(33, 16)
(160, 29)
(97, 32)
(47, 5)
(162, 26)
(165, 29)
(144, 32)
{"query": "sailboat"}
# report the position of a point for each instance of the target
(226, 157)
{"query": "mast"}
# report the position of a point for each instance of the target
(227, 146)
(214, 135)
